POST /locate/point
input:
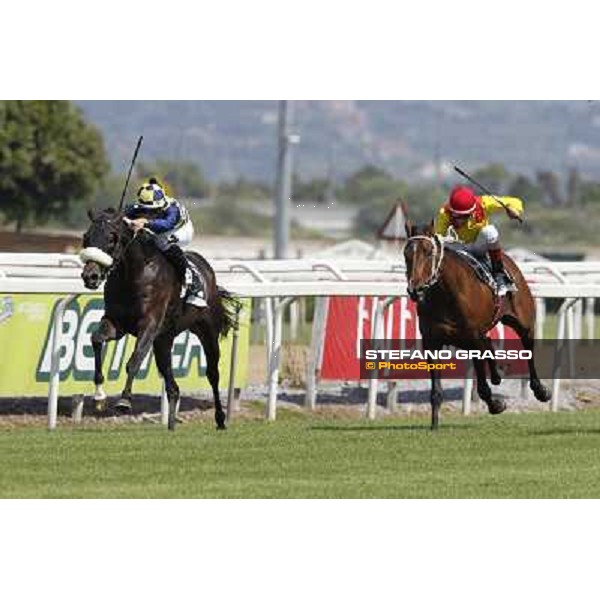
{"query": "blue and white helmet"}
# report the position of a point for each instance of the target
(152, 196)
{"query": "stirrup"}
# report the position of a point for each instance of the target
(501, 288)
(188, 280)
(192, 290)
(504, 284)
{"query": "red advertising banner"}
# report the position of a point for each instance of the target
(349, 320)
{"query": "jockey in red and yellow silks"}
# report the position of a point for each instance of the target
(468, 214)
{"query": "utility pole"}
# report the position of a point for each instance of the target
(330, 187)
(437, 154)
(283, 184)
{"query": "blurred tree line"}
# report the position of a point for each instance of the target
(53, 164)
(50, 158)
(376, 191)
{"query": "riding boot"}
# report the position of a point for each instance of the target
(501, 278)
(191, 285)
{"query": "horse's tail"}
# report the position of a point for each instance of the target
(228, 310)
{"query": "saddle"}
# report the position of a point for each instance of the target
(478, 261)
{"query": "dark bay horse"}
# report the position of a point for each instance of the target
(141, 298)
(456, 308)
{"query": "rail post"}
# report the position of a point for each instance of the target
(317, 343)
(55, 360)
(275, 358)
(560, 334)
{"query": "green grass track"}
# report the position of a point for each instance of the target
(535, 455)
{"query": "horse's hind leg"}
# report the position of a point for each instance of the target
(163, 346)
(210, 342)
(527, 335)
(106, 331)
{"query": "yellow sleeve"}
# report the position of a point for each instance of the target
(442, 222)
(491, 205)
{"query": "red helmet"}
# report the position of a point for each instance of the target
(462, 201)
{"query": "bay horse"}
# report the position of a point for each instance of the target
(457, 308)
(142, 298)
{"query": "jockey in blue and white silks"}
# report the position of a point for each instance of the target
(170, 222)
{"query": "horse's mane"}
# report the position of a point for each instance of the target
(144, 239)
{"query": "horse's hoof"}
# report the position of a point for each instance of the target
(220, 420)
(123, 406)
(542, 393)
(495, 379)
(495, 407)
(221, 427)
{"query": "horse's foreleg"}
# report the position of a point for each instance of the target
(436, 398)
(210, 342)
(437, 394)
(163, 346)
(142, 347)
(495, 405)
(495, 376)
(106, 331)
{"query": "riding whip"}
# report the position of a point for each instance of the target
(484, 190)
(137, 149)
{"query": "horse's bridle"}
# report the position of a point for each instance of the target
(104, 259)
(436, 263)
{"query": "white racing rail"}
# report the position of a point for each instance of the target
(280, 282)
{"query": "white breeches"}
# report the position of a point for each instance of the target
(182, 237)
(488, 239)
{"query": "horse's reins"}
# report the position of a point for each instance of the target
(438, 240)
(126, 247)
(86, 253)
(436, 262)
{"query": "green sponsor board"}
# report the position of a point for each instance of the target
(25, 350)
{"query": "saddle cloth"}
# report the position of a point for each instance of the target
(203, 287)
(477, 260)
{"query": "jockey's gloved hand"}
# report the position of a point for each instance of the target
(137, 224)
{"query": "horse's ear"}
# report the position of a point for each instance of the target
(408, 227)
(404, 208)
(91, 213)
(431, 227)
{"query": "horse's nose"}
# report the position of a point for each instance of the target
(416, 294)
(90, 279)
